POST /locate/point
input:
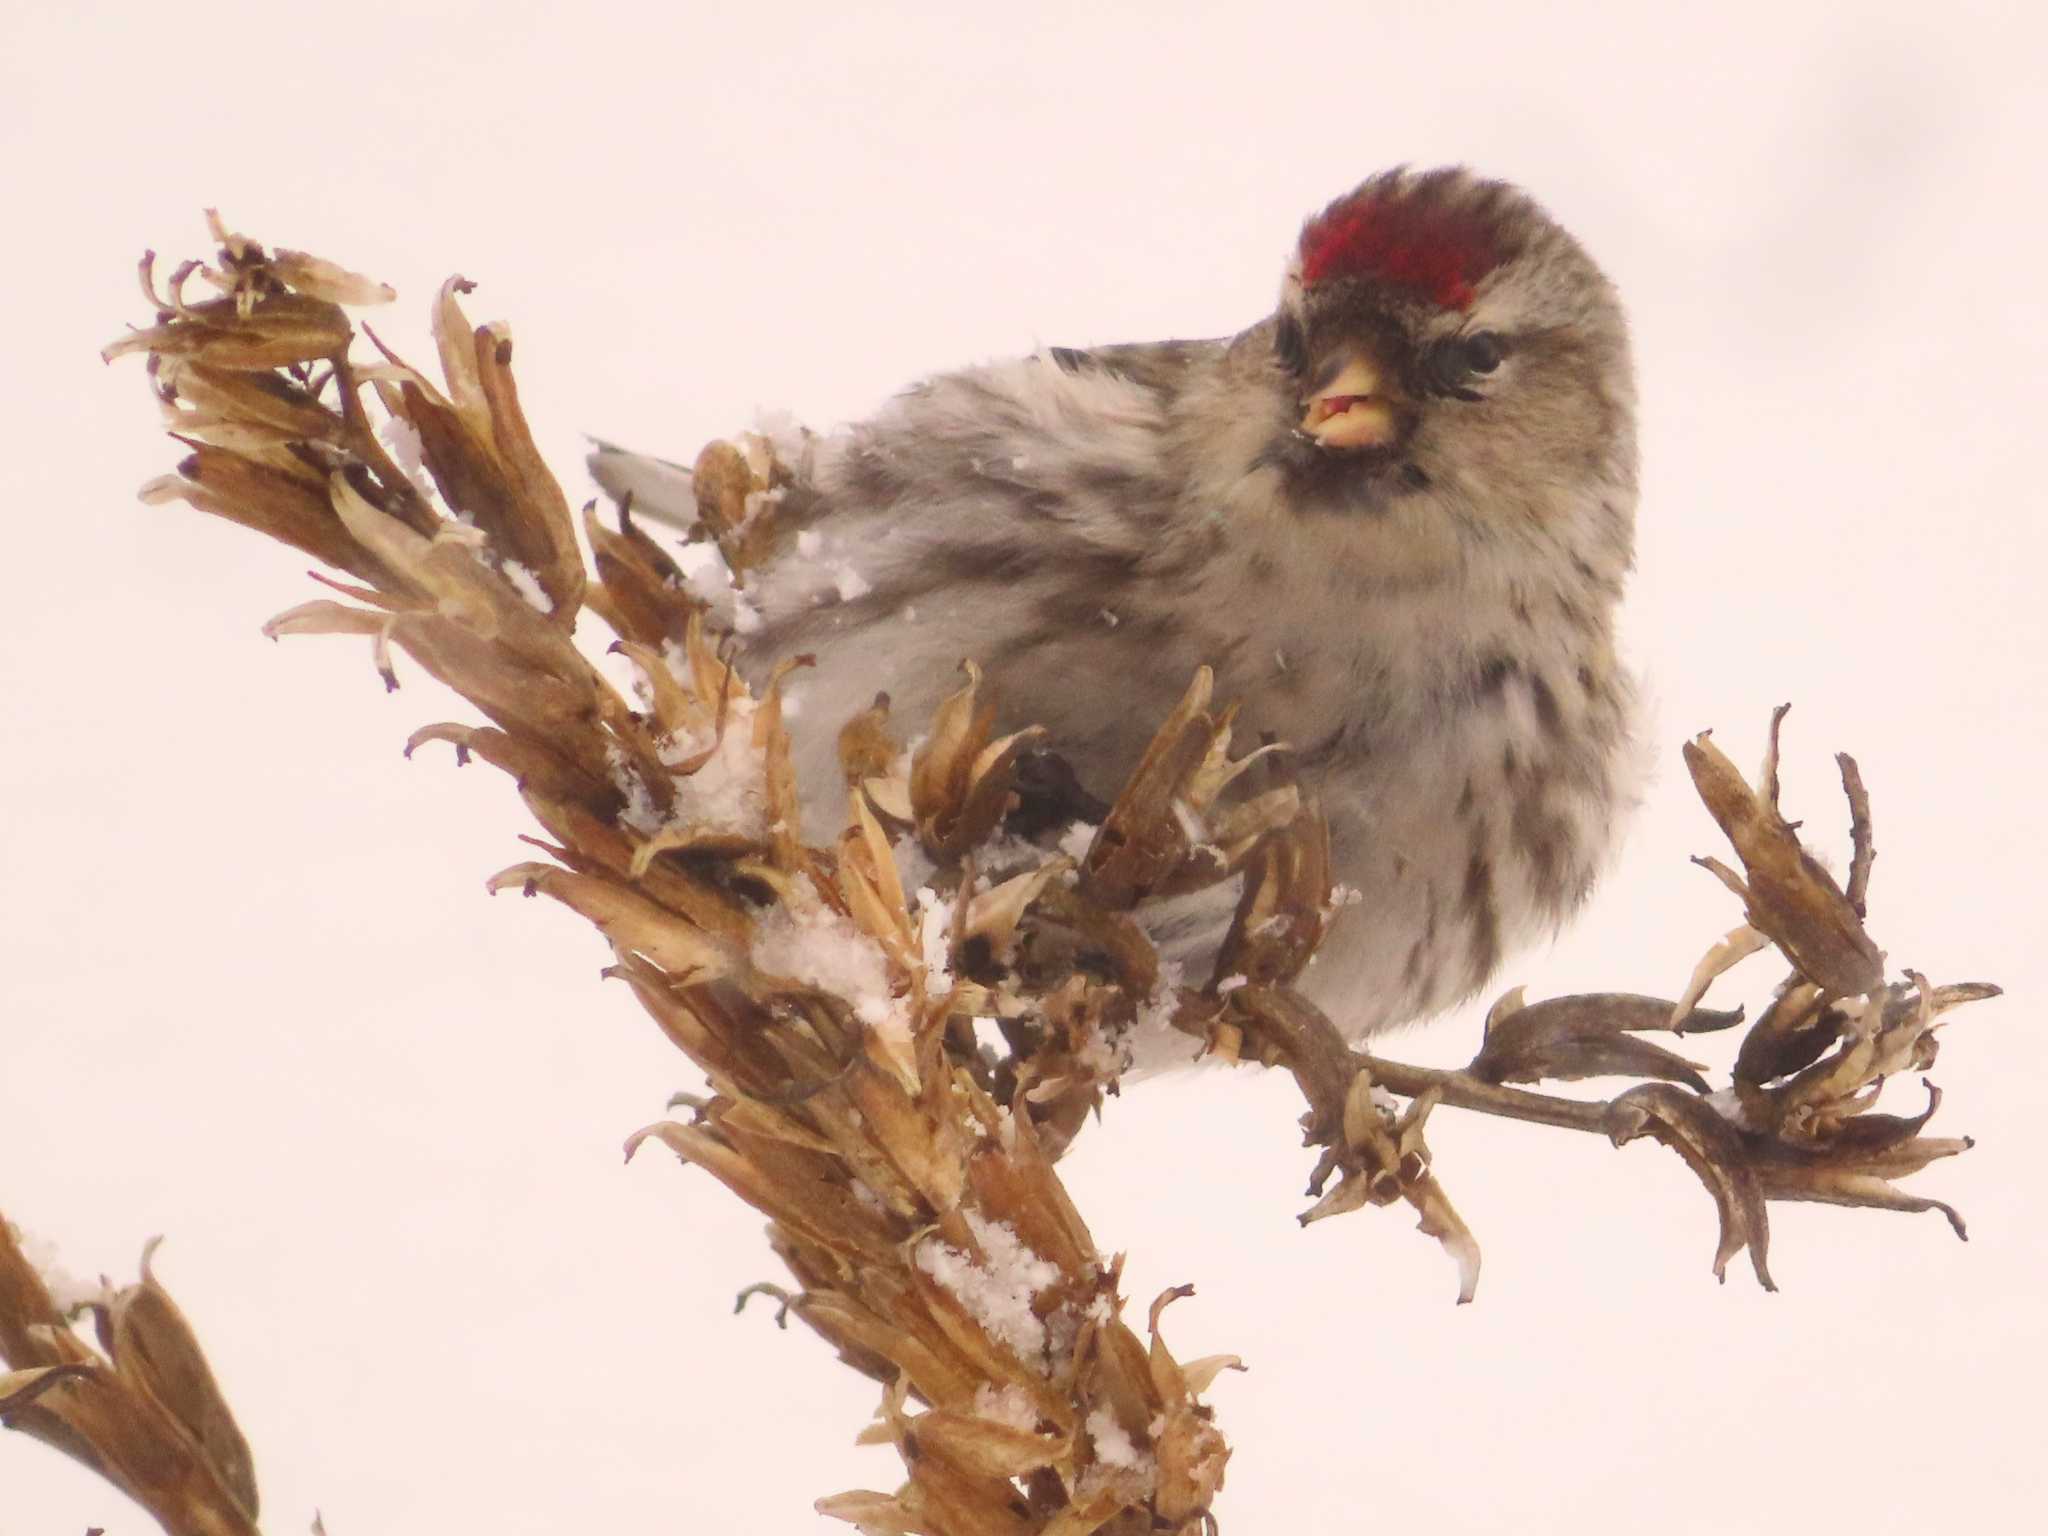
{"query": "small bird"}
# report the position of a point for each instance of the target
(1395, 516)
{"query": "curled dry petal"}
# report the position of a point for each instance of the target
(154, 1350)
(456, 344)
(1790, 1035)
(983, 1448)
(1201, 1374)
(1714, 1150)
(961, 776)
(867, 747)
(322, 279)
(639, 590)
(260, 399)
(279, 330)
(628, 919)
(877, 1514)
(1856, 1164)
(1568, 1038)
(820, 1215)
(1727, 952)
(1386, 1160)
(994, 915)
(539, 533)
(289, 507)
(1284, 907)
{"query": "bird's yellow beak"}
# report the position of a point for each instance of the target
(1349, 411)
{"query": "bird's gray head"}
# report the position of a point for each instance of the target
(1438, 333)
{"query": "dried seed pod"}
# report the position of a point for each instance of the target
(961, 775)
(1789, 896)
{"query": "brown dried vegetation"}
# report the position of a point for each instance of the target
(906, 1166)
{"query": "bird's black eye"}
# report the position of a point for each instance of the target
(1455, 361)
(1482, 352)
(1289, 345)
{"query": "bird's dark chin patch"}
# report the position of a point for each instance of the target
(1346, 481)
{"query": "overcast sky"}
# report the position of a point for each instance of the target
(254, 998)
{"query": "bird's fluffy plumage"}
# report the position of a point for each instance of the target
(1426, 620)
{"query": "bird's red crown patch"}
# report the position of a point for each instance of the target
(1403, 237)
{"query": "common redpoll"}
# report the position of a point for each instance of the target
(1394, 516)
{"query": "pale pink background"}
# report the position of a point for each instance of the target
(254, 995)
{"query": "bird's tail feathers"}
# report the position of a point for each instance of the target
(660, 489)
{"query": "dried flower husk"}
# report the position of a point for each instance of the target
(1285, 907)
(961, 775)
(144, 1410)
(1790, 896)
(1566, 1039)
(1166, 833)
(739, 488)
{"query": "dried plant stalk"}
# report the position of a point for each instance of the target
(906, 1166)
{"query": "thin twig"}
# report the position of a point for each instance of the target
(1863, 852)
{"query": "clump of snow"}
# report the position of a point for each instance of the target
(1002, 855)
(1008, 1405)
(640, 814)
(839, 578)
(1076, 840)
(1062, 1333)
(794, 447)
(998, 1291)
(702, 568)
(67, 1291)
(1861, 1016)
(725, 794)
(810, 943)
(625, 675)
(527, 585)
(729, 790)
(1101, 1055)
(935, 939)
(1230, 984)
(462, 531)
(1113, 1446)
(1723, 1102)
(401, 439)
(849, 583)
(1155, 1013)
(746, 618)
(988, 1035)
(1345, 896)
